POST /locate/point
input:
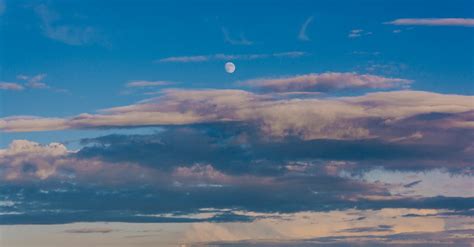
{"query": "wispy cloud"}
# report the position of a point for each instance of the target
(223, 57)
(34, 81)
(242, 40)
(54, 28)
(356, 33)
(10, 86)
(142, 84)
(465, 22)
(302, 34)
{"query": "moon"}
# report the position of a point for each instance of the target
(229, 67)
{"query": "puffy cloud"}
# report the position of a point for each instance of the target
(24, 158)
(328, 81)
(466, 22)
(26, 161)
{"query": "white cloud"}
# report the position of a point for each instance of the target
(138, 84)
(356, 33)
(34, 81)
(225, 57)
(302, 34)
(466, 22)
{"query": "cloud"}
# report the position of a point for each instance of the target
(34, 81)
(242, 40)
(225, 57)
(379, 228)
(329, 81)
(356, 33)
(10, 86)
(52, 27)
(90, 230)
(141, 84)
(182, 171)
(464, 22)
(384, 115)
(414, 183)
(302, 34)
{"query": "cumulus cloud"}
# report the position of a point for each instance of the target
(328, 81)
(225, 57)
(465, 22)
(26, 161)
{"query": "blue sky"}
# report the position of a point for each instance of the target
(117, 50)
(122, 111)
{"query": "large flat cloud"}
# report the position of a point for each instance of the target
(329, 81)
(373, 115)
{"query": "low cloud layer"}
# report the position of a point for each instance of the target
(395, 115)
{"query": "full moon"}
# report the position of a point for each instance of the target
(229, 67)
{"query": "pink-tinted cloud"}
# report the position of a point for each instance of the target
(142, 83)
(10, 86)
(465, 22)
(328, 81)
(328, 118)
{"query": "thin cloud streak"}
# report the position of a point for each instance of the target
(143, 84)
(302, 34)
(224, 57)
(11, 86)
(464, 22)
(242, 40)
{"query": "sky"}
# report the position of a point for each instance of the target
(344, 122)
